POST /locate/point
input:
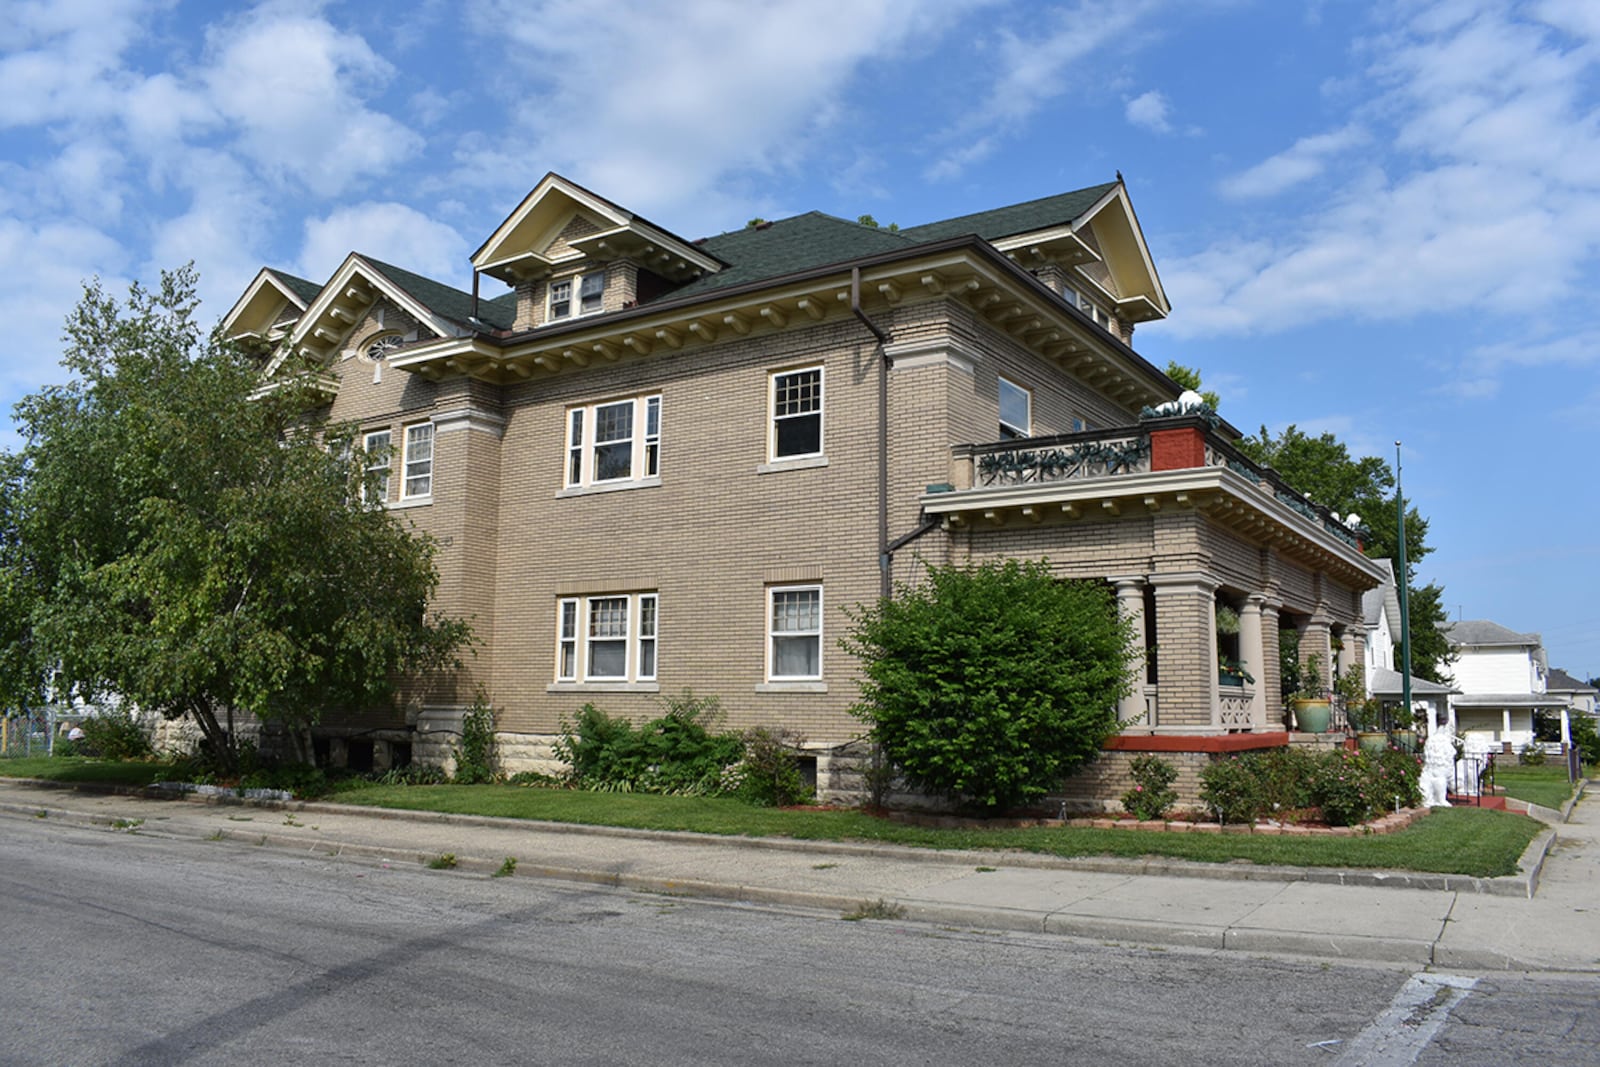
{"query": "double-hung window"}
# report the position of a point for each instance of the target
(1016, 411)
(797, 413)
(794, 633)
(418, 461)
(375, 467)
(614, 443)
(607, 638)
(591, 295)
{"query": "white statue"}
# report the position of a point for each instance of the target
(1438, 763)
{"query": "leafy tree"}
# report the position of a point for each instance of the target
(1189, 378)
(989, 684)
(200, 553)
(1322, 468)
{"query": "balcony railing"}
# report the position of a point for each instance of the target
(1125, 451)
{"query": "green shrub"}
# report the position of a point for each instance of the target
(769, 775)
(676, 753)
(1586, 737)
(477, 757)
(1344, 786)
(990, 683)
(301, 779)
(1398, 778)
(1284, 775)
(413, 774)
(1231, 787)
(114, 734)
(1531, 756)
(1152, 793)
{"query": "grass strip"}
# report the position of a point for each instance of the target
(1547, 785)
(1475, 842)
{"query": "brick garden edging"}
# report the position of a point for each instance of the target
(1388, 824)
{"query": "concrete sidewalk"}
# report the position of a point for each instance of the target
(1419, 920)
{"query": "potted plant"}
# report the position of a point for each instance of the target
(1366, 718)
(1312, 708)
(1227, 619)
(1404, 724)
(1231, 673)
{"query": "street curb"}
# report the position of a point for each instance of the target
(1521, 884)
(1347, 947)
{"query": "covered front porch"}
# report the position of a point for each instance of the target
(1215, 561)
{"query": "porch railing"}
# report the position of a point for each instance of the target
(1120, 452)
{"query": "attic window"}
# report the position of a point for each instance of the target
(591, 293)
(378, 349)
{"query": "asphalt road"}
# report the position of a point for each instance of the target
(125, 949)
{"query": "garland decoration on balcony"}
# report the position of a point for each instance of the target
(1174, 409)
(1061, 464)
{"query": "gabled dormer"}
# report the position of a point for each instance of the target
(570, 253)
(1085, 244)
(375, 304)
(269, 308)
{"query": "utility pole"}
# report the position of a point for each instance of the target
(1405, 580)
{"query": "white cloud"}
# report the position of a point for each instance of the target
(1149, 111)
(64, 57)
(659, 104)
(49, 264)
(1306, 159)
(393, 233)
(1037, 68)
(294, 88)
(1476, 190)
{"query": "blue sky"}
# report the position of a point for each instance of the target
(1379, 219)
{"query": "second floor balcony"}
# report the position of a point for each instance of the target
(1170, 463)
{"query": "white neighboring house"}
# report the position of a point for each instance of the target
(1429, 700)
(1503, 676)
(1581, 697)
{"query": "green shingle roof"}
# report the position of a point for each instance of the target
(301, 287)
(785, 247)
(449, 301)
(1017, 218)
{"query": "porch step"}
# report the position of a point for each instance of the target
(1497, 803)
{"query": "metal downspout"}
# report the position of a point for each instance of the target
(884, 554)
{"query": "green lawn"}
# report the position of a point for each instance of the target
(84, 769)
(1545, 785)
(1456, 841)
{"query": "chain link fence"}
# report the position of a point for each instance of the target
(29, 733)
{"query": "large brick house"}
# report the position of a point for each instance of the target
(657, 464)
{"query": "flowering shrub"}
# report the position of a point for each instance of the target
(1152, 793)
(1231, 787)
(1344, 787)
(1349, 787)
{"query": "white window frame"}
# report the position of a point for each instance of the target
(576, 644)
(576, 296)
(774, 418)
(417, 469)
(644, 454)
(1011, 430)
(377, 459)
(774, 633)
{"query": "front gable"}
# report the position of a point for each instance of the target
(269, 307)
(345, 306)
(560, 223)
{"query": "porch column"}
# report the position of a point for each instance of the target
(1566, 727)
(1253, 654)
(1314, 641)
(1269, 683)
(1186, 634)
(1130, 605)
(1355, 654)
(1505, 724)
